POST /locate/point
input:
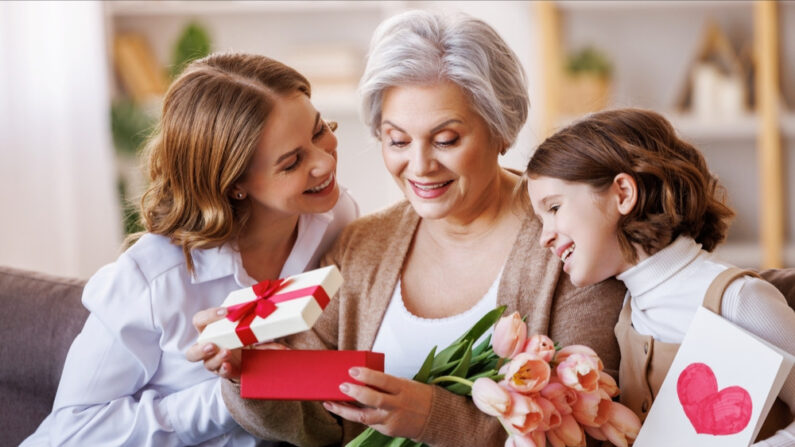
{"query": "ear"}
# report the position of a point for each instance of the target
(626, 192)
(237, 192)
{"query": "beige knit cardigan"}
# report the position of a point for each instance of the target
(370, 253)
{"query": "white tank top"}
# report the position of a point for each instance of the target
(406, 339)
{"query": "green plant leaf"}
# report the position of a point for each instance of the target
(193, 43)
(463, 365)
(423, 375)
(479, 328)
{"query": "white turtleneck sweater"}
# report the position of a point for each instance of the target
(668, 287)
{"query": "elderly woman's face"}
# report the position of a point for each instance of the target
(438, 149)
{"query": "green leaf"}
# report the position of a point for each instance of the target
(370, 438)
(482, 325)
(423, 375)
(483, 346)
(446, 357)
(463, 364)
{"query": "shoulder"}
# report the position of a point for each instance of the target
(369, 237)
(380, 225)
(153, 255)
(749, 292)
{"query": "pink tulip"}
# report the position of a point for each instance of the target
(565, 352)
(525, 414)
(551, 414)
(595, 432)
(533, 439)
(569, 433)
(622, 425)
(490, 397)
(579, 372)
(608, 384)
(591, 409)
(526, 373)
(510, 335)
(560, 395)
(542, 346)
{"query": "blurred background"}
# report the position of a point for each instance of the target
(81, 85)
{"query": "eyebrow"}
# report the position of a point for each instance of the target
(434, 130)
(289, 154)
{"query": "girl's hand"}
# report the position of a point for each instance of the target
(221, 362)
(392, 405)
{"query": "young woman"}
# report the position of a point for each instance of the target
(620, 195)
(243, 189)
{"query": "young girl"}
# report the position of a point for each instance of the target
(619, 194)
(242, 189)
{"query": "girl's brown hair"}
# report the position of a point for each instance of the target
(211, 124)
(677, 195)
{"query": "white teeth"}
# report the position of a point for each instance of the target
(430, 187)
(566, 253)
(323, 185)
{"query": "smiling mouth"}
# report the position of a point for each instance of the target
(567, 253)
(430, 186)
(321, 186)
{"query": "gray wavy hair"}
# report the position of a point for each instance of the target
(424, 47)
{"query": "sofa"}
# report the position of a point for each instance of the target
(43, 314)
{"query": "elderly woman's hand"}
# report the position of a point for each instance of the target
(394, 406)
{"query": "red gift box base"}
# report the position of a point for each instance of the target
(301, 375)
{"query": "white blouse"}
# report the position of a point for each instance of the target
(407, 339)
(126, 380)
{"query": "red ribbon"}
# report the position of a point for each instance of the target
(265, 304)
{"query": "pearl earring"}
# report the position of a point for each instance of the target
(240, 196)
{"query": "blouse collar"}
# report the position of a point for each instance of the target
(219, 262)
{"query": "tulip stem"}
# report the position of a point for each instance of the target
(451, 379)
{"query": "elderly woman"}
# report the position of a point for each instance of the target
(445, 96)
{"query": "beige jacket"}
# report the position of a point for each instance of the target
(370, 253)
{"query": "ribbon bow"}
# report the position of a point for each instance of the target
(268, 296)
(261, 307)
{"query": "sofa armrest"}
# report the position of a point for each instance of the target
(41, 316)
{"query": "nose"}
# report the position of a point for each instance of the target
(547, 238)
(421, 160)
(324, 159)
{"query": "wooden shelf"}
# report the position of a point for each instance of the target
(180, 8)
(645, 5)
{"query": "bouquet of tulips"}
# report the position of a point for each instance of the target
(455, 368)
(547, 394)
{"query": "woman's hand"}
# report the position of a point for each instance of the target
(221, 362)
(392, 405)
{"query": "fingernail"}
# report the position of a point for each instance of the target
(345, 388)
(328, 406)
(354, 372)
(208, 348)
(221, 311)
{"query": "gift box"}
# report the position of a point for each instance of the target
(273, 308)
(301, 375)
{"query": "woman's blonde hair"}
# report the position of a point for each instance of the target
(211, 124)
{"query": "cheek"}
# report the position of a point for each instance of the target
(393, 161)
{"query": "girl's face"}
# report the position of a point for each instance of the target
(293, 169)
(580, 226)
(437, 149)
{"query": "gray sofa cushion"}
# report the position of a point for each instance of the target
(41, 315)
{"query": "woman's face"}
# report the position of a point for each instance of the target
(438, 150)
(293, 169)
(580, 227)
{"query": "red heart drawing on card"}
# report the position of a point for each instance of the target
(710, 411)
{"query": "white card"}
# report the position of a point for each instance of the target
(719, 389)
